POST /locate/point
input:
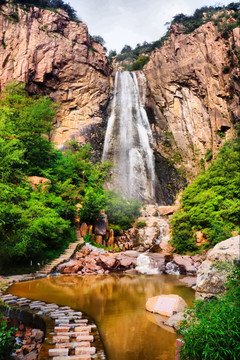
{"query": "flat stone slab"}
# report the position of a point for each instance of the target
(166, 305)
(62, 321)
(58, 352)
(72, 345)
(73, 333)
(85, 338)
(73, 357)
(81, 321)
(10, 302)
(85, 350)
(60, 339)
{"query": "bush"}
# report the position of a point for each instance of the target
(140, 224)
(7, 339)
(211, 329)
(139, 63)
(211, 204)
(121, 211)
(36, 224)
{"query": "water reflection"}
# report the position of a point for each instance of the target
(117, 305)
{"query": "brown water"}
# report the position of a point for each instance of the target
(116, 303)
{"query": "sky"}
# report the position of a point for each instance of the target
(122, 22)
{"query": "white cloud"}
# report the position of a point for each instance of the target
(122, 22)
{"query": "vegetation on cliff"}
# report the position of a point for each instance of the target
(211, 204)
(225, 22)
(37, 223)
(211, 329)
(46, 4)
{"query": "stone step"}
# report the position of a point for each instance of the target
(73, 357)
(72, 345)
(62, 329)
(10, 302)
(61, 321)
(85, 350)
(60, 339)
(58, 352)
(85, 338)
(73, 333)
(74, 325)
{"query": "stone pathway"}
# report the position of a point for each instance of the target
(71, 338)
(66, 256)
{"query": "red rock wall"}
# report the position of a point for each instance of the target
(190, 96)
(56, 57)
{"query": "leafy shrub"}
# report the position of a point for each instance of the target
(211, 329)
(7, 339)
(225, 69)
(38, 224)
(50, 4)
(141, 224)
(139, 63)
(121, 211)
(208, 155)
(211, 203)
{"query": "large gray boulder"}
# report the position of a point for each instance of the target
(210, 281)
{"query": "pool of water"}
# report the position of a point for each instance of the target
(116, 303)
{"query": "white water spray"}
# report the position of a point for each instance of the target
(128, 140)
(146, 265)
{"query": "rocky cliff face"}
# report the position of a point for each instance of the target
(56, 57)
(193, 97)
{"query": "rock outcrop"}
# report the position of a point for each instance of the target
(210, 280)
(193, 94)
(56, 57)
(166, 305)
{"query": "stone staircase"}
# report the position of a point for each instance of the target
(71, 338)
(66, 256)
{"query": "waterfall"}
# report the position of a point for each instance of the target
(128, 140)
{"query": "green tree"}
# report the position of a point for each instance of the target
(28, 120)
(211, 328)
(211, 204)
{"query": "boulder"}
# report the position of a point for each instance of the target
(90, 229)
(110, 242)
(98, 239)
(166, 210)
(38, 181)
(101, 224)
(175, 320)
(185, 264)
(166, 305)
(189, 281)
(84, 229)
(109, 261)
(210, 281)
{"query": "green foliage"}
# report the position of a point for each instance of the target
(38, 224)
(98, 39)
(211, 204)
(225, 69)
(93, 202)
(211, 329)
(188, 24)
(50, 4)
(89, 239)
(27, 120)
(139, 63)
(141, 224)
(208, 155)
(121, 211)
(7, 339)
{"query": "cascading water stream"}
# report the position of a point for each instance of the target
(128, 141)
(145, 265)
